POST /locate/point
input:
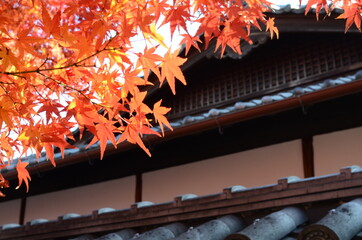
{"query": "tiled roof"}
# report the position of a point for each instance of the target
(214, 113)
(326, 207)
(280, 96)
(288, 8)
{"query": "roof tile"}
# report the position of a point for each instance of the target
(163, 233)
(105, 210)
(38, 221)
(70, 216)
(83, 237)
(10, 226)
(274, 226)
(120, 235)
(216, 229)
(342, 223)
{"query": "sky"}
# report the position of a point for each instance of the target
(284, 2)
(138, 46)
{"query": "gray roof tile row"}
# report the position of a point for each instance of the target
(280, 211)
(288, 8)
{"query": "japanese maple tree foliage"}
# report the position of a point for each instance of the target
(67, 64)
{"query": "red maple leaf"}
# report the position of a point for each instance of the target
(23, 174)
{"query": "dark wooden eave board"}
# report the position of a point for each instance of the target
(291, 22)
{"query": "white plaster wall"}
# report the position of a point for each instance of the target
(335, 150)
(10, 212)
(249, 168)
(116, 194)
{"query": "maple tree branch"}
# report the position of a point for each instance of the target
(50, 69)
(76, 64)
(63, 84)
(16, 75)
(7, 83)
(81, 92)
(39, 94)
(45, 60)
(7, 93)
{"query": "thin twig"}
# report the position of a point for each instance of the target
(74, 89)
(39, 94)
(76, 64)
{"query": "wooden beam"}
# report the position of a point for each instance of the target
(308, 156)
(22, 210)
(138, 192)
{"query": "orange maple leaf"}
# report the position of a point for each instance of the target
(319, 4)
(231, 35)
(148, 60)
(50, 25)
(159, 113)
(210, 26)
(103, 133)
(3, 184)
(50, 107)
(136, 104)
(171, 69)
(272, 28)
(352, 14)
(189, 41)
(132, 134)
(23, 174)
(177, 17)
